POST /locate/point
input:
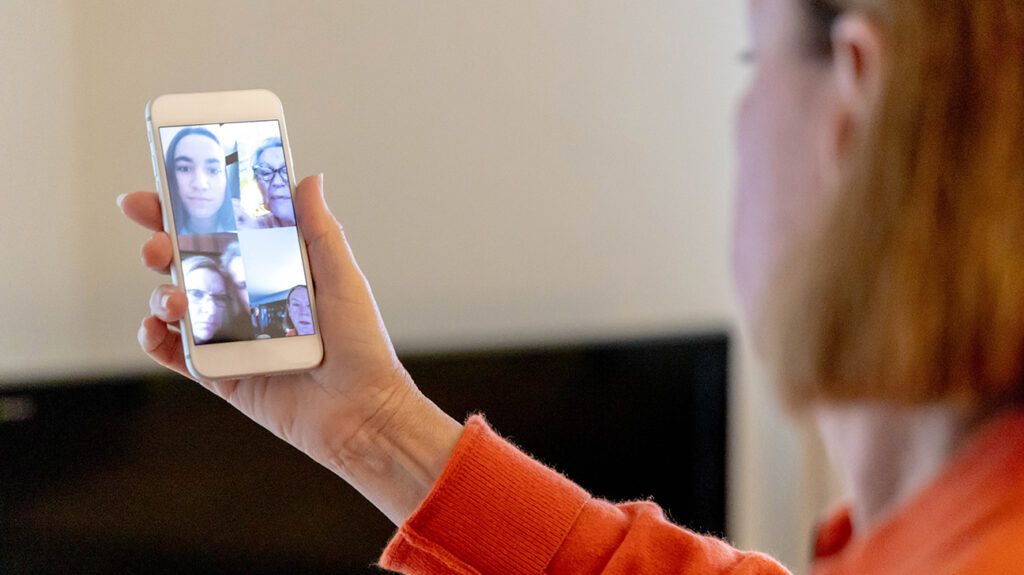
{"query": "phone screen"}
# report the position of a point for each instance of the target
(235, 222)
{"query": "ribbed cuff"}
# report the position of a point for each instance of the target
(493, 510)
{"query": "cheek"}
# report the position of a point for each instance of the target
(198, 311)
(776, 180)
(755, 205)
(219, 185)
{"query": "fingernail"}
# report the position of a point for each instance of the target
(164, 299)
(120, 199)
(141, 333)
(321, 183)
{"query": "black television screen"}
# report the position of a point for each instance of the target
(153, 474)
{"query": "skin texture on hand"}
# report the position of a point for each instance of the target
(358, 413)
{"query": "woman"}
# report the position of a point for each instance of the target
(299, 318)
(877, 259)
(271, 174)
(217, 312)
(199, 198)
(231, 262)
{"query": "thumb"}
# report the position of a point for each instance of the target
(331, 260)
(346, 309)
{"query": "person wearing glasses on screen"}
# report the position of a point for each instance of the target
(217, 311)
(198, 183)
(271, 174)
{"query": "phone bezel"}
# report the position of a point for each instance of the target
(231, 360)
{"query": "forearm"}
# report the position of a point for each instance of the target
(399, 453)
(496, 510)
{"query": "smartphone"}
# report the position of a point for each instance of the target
(224, 174)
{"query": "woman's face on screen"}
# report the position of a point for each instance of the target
(199, 173)
(299, 312)
(276, 191)
(207, 302)
(236, 268)
(779, 131)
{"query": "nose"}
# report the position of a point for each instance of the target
(200, 181)
(205, 306)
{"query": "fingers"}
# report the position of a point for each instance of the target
(168, 303)
(157, 253)
(163, 345)
(142, 208)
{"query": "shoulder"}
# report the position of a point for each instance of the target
(997, 548)
(244, 221)
(265, 221)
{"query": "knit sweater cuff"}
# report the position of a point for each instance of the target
(493, 510)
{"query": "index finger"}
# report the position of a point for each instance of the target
(143, 208)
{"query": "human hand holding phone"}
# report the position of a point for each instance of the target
(358, 413)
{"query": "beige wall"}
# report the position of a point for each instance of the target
(38, 223)
(508, 171)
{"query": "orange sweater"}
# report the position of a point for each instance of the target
(495, 510)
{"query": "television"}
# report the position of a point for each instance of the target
(151, 473)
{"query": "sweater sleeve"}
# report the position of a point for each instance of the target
(494, 510)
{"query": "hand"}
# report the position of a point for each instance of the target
(359, 413)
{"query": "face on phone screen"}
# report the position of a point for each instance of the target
(235, 221)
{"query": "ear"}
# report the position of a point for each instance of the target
(859, 63)
(857, 75)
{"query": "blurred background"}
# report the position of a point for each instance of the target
(510, 173)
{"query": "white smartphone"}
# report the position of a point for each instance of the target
(224, 174)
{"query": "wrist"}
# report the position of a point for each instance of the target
(398, 451)
(420, 437)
